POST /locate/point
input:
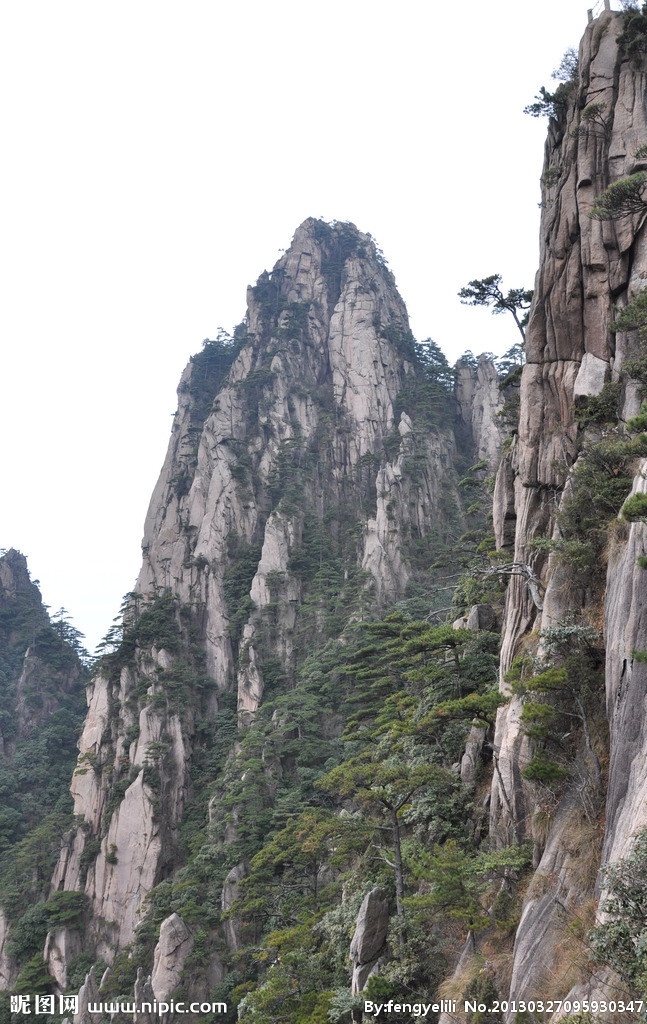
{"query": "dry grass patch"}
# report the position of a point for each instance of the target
(466, 973)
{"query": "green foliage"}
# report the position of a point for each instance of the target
(243, 559)
(460, 882)
(602, 408)
(568, 67)
(427, 394)
(550, 104)
(636, 369)
(267, 295)
(621, 941)
(562, 691)
(487, 292)
(635, 508)
(65, 908)
(638, 423)
(455, 887)
(633, 316)
(601, 480)
(622, 198)
(551, 177)
(25, 876)
(156, 625)
(400, 337)
(208, 370)
(593, 122)
(483, 991)
(78, 969)
(121, 978)
(340, 242)
(542, 768)
(28, 933)
(554, 104)
(33, 977)
(294, 320)
(39, 724)
(510, 366)
(284, 885)
(477, 708)
(633, 39)
(283, 997)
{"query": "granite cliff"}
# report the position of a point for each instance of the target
(311, 477)
(304, 742)
(576, 400)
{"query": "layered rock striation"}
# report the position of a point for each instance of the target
(304, 455)
(588, 267)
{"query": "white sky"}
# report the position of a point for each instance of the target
(158, 157)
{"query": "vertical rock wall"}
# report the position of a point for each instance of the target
(587, 266)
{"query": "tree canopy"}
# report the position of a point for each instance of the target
(487, 291)
(622, 198)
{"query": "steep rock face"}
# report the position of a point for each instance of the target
(586, 267)
(116, 856)
(626, 677)
(61, 947)
(316, 379)
(480, 402)
(296, 450)
(40, 669)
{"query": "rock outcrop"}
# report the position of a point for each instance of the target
(88, 996)
(369, 940)
(171, 952)
(480, 403)
(300, 444)
(626, 686)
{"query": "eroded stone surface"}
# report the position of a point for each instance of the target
(369, 941)
(88, 993)
(304, 422)
(62, 945)
(480, 401)
(626, 679)
(174, 946)
(586, 268)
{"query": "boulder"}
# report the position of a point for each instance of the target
(174, 946)
(369, 939)
(481, 616)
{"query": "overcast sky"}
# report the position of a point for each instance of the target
(159, 156)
